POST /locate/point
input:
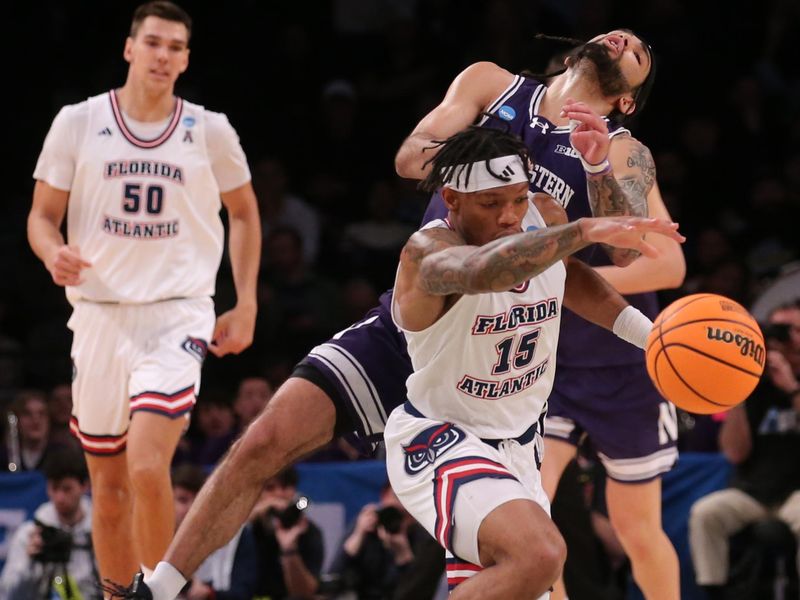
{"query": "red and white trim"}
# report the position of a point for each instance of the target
(170, 405)
(459, 571)
(448, 478)
(100, 445)
(137, 141)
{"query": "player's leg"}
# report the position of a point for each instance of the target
(485, 505)
(557, 455)
(152, 439)
(635, 513)
(112, 504)
(299, 418)
(100, 418)
(521, 551)
(712, 521)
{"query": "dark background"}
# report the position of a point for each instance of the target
(722, 122)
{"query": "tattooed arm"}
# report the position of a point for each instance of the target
(623, 191)
(436, 266)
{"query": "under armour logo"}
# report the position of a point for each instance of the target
(543, 124)
(187, 137)
(508, 171)
(104, 131)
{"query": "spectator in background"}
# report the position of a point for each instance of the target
(289, 545)
(215, 428)
(373, 244)
(231, 572)
(762, 438)
(59, 405)
(251, 397)
(300, 306)
(32, 444)
(277, 206)
(388, 555)
(57, 543)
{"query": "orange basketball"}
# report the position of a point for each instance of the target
(705, 353)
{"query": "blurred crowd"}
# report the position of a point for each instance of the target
(321, 94)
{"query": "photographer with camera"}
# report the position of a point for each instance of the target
(51, 556)
(388, 555)
(761, 437)
(290, 546)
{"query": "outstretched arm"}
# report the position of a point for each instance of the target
(470, 93)
(436, 264)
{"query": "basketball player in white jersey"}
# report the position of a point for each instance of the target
(478, 296)
(139, 174)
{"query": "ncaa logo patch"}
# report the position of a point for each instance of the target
(429, 445)
(196, 347)
(188, 121)
(506, 113)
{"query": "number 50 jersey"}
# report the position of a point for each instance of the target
(144, 198)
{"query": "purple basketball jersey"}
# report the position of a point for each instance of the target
(557, 171)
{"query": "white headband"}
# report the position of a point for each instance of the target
(481, 178)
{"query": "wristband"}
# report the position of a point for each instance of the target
(633, 326)
(166, 581)
(599, 169)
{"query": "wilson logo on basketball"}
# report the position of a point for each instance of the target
(747, 345)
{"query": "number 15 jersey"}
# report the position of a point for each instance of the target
(144, 198)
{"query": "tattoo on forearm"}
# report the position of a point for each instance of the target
(624, 196)
(503, 264)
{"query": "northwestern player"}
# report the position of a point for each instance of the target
(139, 174)
(591, 165)
(479, 303)
(353, 381)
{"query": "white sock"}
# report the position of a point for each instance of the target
(146, 572)
(165, 582)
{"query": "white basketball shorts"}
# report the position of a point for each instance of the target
(132, 357)
(450, 480)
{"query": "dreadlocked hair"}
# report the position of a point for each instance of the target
(641, 93)
(473, 144)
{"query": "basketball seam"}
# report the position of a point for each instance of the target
(712, 357)
(683, 381)
(703, 320)
(677, 308)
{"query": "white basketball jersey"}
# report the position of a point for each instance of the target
(489, 361)
(145, 213)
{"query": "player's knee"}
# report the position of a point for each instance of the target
(111, 500)
(539, 553)
(150, 475)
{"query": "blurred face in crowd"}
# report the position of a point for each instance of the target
(253, 395)
(215, 420)
(60, 404)
(276, 490)
(34, 420)
(158, 53)
(65, 494)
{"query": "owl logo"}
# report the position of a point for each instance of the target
(429, 445)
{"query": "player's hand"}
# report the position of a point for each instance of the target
(66, 264)
(590, 136)
(628, 232)
(233, 331)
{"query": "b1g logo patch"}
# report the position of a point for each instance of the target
(429, 445)
(196, 347)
